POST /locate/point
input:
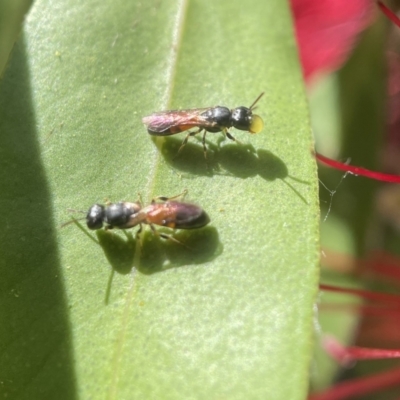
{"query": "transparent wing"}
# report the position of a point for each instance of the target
(165, 120)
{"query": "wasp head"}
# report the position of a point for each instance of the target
(95, 217)
(244, 120)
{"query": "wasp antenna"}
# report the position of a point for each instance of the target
(256, 100)
(73, 220)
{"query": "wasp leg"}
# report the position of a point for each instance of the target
(163, 198)
(167, 237)
(138, 235)
(229, 136)
(140, 201)
(204, 145)
(186, 140)
(72, 221)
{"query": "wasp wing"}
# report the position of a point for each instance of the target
(176, 215)
(165, 121)
(189, 216)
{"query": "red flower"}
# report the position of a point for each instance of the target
(327, 31)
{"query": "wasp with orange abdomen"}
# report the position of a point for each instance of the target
(211, 119)
(162, 211)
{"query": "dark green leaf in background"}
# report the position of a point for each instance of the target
(348, 118)
(11, 17)
(231, 317)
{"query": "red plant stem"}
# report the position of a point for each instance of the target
(370, 310)
(347, 355)
(389, 13)
(357, 387)
(391, 298)
(358, 170)
(365, 353)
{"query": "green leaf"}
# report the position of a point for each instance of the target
(227, 316)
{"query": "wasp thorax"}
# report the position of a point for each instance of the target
(118, 214)
(221, 116)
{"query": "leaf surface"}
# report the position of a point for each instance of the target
(227, 315)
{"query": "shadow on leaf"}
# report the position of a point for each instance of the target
(233, 159)
(156, 254)
(197, 247)
(119, 251)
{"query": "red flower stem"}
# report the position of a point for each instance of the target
(347, 355)
(389, 13)
(358, 387)
(391, 298)
(358, 170)
(370, 310)
(365, 353)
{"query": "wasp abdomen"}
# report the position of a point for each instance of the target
(177, 215)
(190, 216)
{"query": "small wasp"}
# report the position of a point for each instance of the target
(125, 215)
(211, 119)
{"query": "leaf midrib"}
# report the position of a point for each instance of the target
(172, 62)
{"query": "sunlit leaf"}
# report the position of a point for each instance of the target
(228, 314)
